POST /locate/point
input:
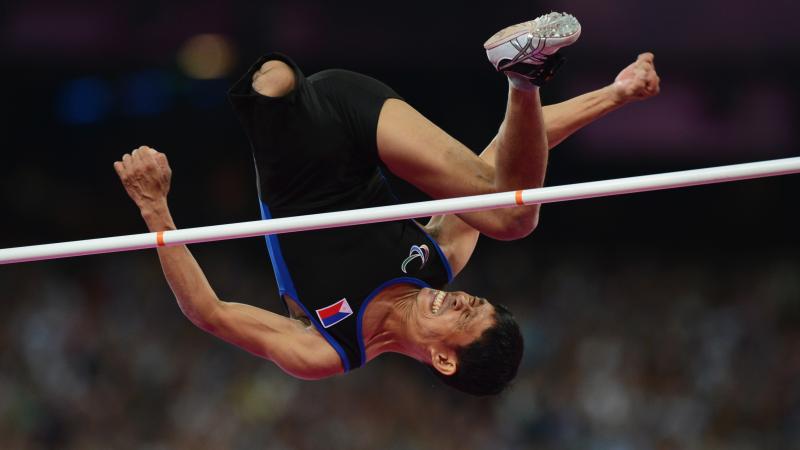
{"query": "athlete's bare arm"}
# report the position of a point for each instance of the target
(638, 81)
(294, 347)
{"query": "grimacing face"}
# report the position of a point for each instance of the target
(454, 318)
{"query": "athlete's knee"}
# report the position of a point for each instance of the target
(274, 79)
(518, 223)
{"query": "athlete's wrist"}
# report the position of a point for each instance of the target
(615, 96)
(157, 216)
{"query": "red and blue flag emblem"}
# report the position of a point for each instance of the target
(335, 313)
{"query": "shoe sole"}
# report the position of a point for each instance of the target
(569, 29)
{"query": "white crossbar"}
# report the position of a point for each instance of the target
(551, 194)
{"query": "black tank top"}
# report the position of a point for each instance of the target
(333, 274)
(315, 137)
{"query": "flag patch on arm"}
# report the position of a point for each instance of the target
(335, 313)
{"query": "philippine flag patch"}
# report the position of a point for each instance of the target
(335, 313)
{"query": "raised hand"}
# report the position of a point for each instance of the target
(638, 81)
(146, 176)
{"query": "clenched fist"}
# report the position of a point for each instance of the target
(146, 175)
(638, 81)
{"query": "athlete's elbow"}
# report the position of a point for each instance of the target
(207, 317)
(209, 324)
(523, 225)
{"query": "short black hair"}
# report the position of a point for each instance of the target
(487, 366)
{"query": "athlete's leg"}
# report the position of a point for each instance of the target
(304, 153)
(418, 151)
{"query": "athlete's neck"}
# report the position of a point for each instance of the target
(386, 323)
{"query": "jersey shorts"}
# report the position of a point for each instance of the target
(315, 149)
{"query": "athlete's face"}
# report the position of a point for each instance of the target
(455, 319)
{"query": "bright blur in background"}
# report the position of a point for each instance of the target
(654, 321)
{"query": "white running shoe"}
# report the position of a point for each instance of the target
(529, 49)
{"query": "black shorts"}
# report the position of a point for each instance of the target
(315, 149)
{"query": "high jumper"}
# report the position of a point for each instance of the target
(372, 286)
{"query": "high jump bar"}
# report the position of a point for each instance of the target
(551, 194)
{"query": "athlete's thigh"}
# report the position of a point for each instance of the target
(420, 152)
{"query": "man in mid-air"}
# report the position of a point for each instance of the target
(354, 293)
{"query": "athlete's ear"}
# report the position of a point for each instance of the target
(444, 361)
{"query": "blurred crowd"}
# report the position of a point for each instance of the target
(625, 349)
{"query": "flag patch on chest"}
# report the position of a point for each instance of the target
(335, 313)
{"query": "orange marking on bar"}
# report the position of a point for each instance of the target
(518, 197)
(160, 239)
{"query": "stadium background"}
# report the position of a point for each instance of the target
(660, 321)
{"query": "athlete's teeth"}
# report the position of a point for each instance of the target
(437, 302)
